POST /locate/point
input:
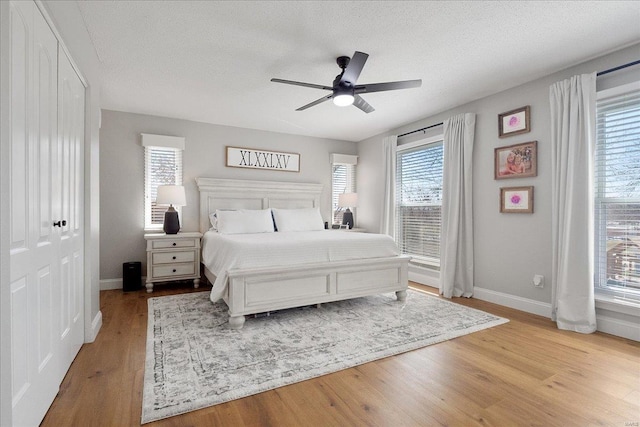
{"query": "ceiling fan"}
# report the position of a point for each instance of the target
(345, 91)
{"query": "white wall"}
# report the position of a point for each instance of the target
(509, 248)
(122, 174)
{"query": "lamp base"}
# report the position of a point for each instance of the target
(171, 221)
(347, 218)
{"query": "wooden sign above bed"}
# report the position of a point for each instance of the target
(261, 159)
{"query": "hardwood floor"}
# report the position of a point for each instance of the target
(525, 372)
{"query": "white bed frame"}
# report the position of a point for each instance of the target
(260, 290)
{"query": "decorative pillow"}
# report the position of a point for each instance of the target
(213, 219)
(308, 219)
(244, 221)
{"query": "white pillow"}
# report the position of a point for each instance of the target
(308, 219)
(244, 221)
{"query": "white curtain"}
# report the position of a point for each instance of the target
(387, 221)
(456, 242)
(572, 156)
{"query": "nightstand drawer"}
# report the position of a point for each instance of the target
(177, 243)
(174, 270)
(173, 257)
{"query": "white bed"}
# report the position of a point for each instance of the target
(263, 272)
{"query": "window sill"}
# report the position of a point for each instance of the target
(611, 302)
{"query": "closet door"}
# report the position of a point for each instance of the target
(34, 243)
(46, 260)
(68, 209)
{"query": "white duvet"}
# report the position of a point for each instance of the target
(224, 252)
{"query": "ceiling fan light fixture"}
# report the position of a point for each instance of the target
(343, 100)
(344, 88)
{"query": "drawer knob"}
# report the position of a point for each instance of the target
(174, 270)
(174, 257)
(174, 243)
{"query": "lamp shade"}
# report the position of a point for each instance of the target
(171, 195)
(348, 200)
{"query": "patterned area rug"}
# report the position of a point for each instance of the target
(194, 360)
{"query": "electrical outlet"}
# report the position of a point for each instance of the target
(538, 281)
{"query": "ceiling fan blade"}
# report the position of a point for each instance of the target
(381, 87)
(362, 104)
(353, 70)
(311, 85)
(316, 102)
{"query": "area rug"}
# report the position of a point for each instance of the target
(194, 360)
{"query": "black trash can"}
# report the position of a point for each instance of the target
(131, 276)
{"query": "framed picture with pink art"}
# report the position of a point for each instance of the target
(516, 200)
(516, 161)
(514, 122)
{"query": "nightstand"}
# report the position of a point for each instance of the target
(173, 257)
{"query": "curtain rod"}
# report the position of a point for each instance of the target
(601, 73)
(619, 67)
(421, 130)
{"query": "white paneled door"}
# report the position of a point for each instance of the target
(68, 209)
(46, 243)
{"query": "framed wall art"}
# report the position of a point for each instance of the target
(262, 159)
(516, 161)
(516, 200)
(514, 122)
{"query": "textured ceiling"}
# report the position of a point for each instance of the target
(212, 61)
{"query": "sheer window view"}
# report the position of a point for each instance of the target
(617, 198)
(343, 180)
(163, 166)
(419, 201)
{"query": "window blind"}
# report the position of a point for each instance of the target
(419, 201)
(163, 166)
(617, 192)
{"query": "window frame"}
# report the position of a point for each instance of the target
(350, 162)
(603, 289)
(429, 142)
(149, 226)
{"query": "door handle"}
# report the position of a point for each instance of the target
(61, 223)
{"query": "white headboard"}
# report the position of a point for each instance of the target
(243, 194)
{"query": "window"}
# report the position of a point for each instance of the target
(343, 180)
(419, 200)
(617, 191)
(162, 166)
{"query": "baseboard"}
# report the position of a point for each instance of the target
(108, 284)
(618, 327)
(96, 325)
(608, 325)
(424, 276)
(512, 301)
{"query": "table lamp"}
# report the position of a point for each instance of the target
(348, 200)
(171, 195)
